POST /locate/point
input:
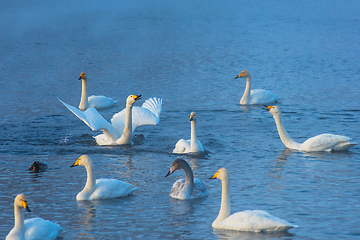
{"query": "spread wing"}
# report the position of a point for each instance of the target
(147, 114)
(94, 120)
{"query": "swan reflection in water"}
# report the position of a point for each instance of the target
(87, 216)
(231, 234)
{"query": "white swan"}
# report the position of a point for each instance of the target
(322, 142)
(33, 228)
(92, 101)
(249, 220)
(193, 145)
(256, 96)
(101, 188)
(189, 187)
(123, 124)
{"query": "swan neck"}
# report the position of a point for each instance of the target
(225, 201)
(91, 181)
(84, 103)
(193, 139)
(19, 217)
(128, 121)
(284, 136)
(126, 137)
(246, 96)
(189, 180)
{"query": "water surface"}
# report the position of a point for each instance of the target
(188, 54)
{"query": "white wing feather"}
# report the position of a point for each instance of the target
(262, 96)
(111, 188)
(147, 114)
(327, 142)
(94, 120)
(255, 221)
(182, 146)
(38, 228)
(100, 101)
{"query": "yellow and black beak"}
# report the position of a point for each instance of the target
(268, 108)
(81, 75)
(25, 205)
(192, 117)
(238, 76)
(136, 97)
(76, 163)
(215, 175)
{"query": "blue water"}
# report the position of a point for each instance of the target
(187, 53)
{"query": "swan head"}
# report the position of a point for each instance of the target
(243, 74)
(274, 110)
(82, 76)
(221, 174)
(192, 116)
(131, 99)
(177, 164)
(21, 201)
(82, 161)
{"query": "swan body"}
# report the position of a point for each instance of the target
(193, 145)
(92, 101)
(319, 143)
(249, 220)
(31, 229)
(256, 96)
(123, 124)
(101, 188)
(189, 187)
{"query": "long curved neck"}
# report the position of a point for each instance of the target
(126, 137)
(19, 217)
(225, 201)
(91, 181)
(245, 99)
(84, 96)
(189, 180)
(284, 136)
(193, 139)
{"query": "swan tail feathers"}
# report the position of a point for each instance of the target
(344, 145)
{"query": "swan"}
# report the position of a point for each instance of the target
(120, 130)
(38, 166)
(193, 145)
(249, 220)
(33, 228)
(100, 188)
(322, 142)
(189, 187)
(257, 96)
(92, 101)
